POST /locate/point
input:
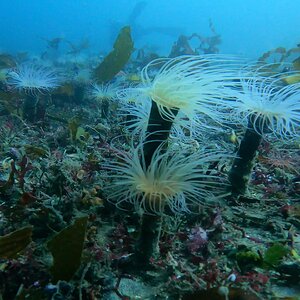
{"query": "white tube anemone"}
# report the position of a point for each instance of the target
(100, 92)
(33, 79)
(272, 107)
(135, 107)
(192, 84)
(172, 179)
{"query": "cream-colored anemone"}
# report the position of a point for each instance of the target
(130, 95)
(135, 104)
(174, 179)
(102, 92)
(192, 84)
(272, 107)
(33, 79)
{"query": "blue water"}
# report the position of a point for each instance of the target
(248, 27)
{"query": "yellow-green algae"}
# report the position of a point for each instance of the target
(15, 242)
(66, 248)
(117, 58)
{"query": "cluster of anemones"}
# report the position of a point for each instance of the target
(184, 89)
(184, 92)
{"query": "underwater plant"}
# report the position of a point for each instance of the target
(265, 106)
(117, 58)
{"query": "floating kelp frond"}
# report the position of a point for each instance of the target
(117, 58)
(15, 242)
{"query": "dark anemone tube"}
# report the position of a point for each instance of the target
(158, 131)
(240, 172)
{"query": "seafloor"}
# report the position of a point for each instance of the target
(53, 203)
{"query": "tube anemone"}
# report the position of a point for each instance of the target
(33, 79)
(191, 84)
(173, 179)
(154, 178)
(135, 108)
(267, 107)
(273, 108)
(34, 82)
(102, 92)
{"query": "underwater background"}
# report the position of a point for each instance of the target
(249, 27)
(149, 150)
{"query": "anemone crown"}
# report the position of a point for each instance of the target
(103, 91)
(173, 179)
(273, 107)
(193, 84)
(33, 79)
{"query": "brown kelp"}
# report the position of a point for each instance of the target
(117, 58)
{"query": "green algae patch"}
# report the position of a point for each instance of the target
(296, 64)
(117, 58)
(73, 125)
(66, 248)
(15, 242)
(248, 259)
(81, 135)
(77, 133)
(35, 151)
(294, 77)
(275, 254)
